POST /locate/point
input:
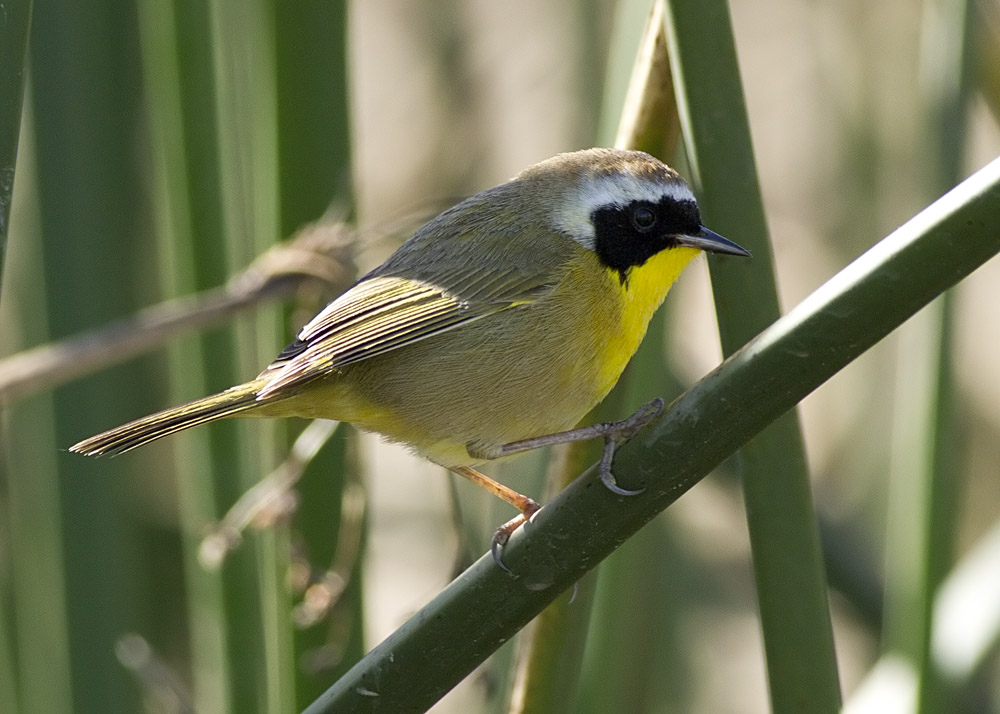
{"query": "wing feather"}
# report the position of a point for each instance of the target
(384, 313)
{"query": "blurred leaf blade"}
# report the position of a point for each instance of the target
(15, 25)
(216, 134)
(14, 30)
(313, 118)
(965, 633)
(638, 658)
(182, 115)
(83, 80)
(926, 476)
(247, 121)
(549, 676)
(966, 623)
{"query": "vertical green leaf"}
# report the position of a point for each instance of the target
(177, 47)
(313, 111)
(14, 25)
(315, 179)
(926, 475)
(213, 109)
(246, 116)
(791, 586)
(85, 90)
(14, 28)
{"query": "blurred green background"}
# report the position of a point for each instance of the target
(165, 144)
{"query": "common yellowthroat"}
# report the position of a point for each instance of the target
(494, 329)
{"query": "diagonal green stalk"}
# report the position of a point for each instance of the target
(784, 536)
(484, 607)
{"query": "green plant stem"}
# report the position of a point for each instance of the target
(484, 607)
(84, 79)
(784, 537)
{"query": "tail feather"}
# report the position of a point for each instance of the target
(155, 426)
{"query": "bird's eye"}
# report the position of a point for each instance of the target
(643, 218)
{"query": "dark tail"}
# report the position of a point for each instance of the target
(150, 428)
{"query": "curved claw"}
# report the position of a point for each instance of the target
(608, 479)
(623, 431)
(504, 532)
(495, 550)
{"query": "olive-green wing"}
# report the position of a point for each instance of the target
(384, 313)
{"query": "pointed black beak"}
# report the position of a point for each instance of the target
(712, 242)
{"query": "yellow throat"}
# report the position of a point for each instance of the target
(643, 291)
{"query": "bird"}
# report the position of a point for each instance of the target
(494, 329)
